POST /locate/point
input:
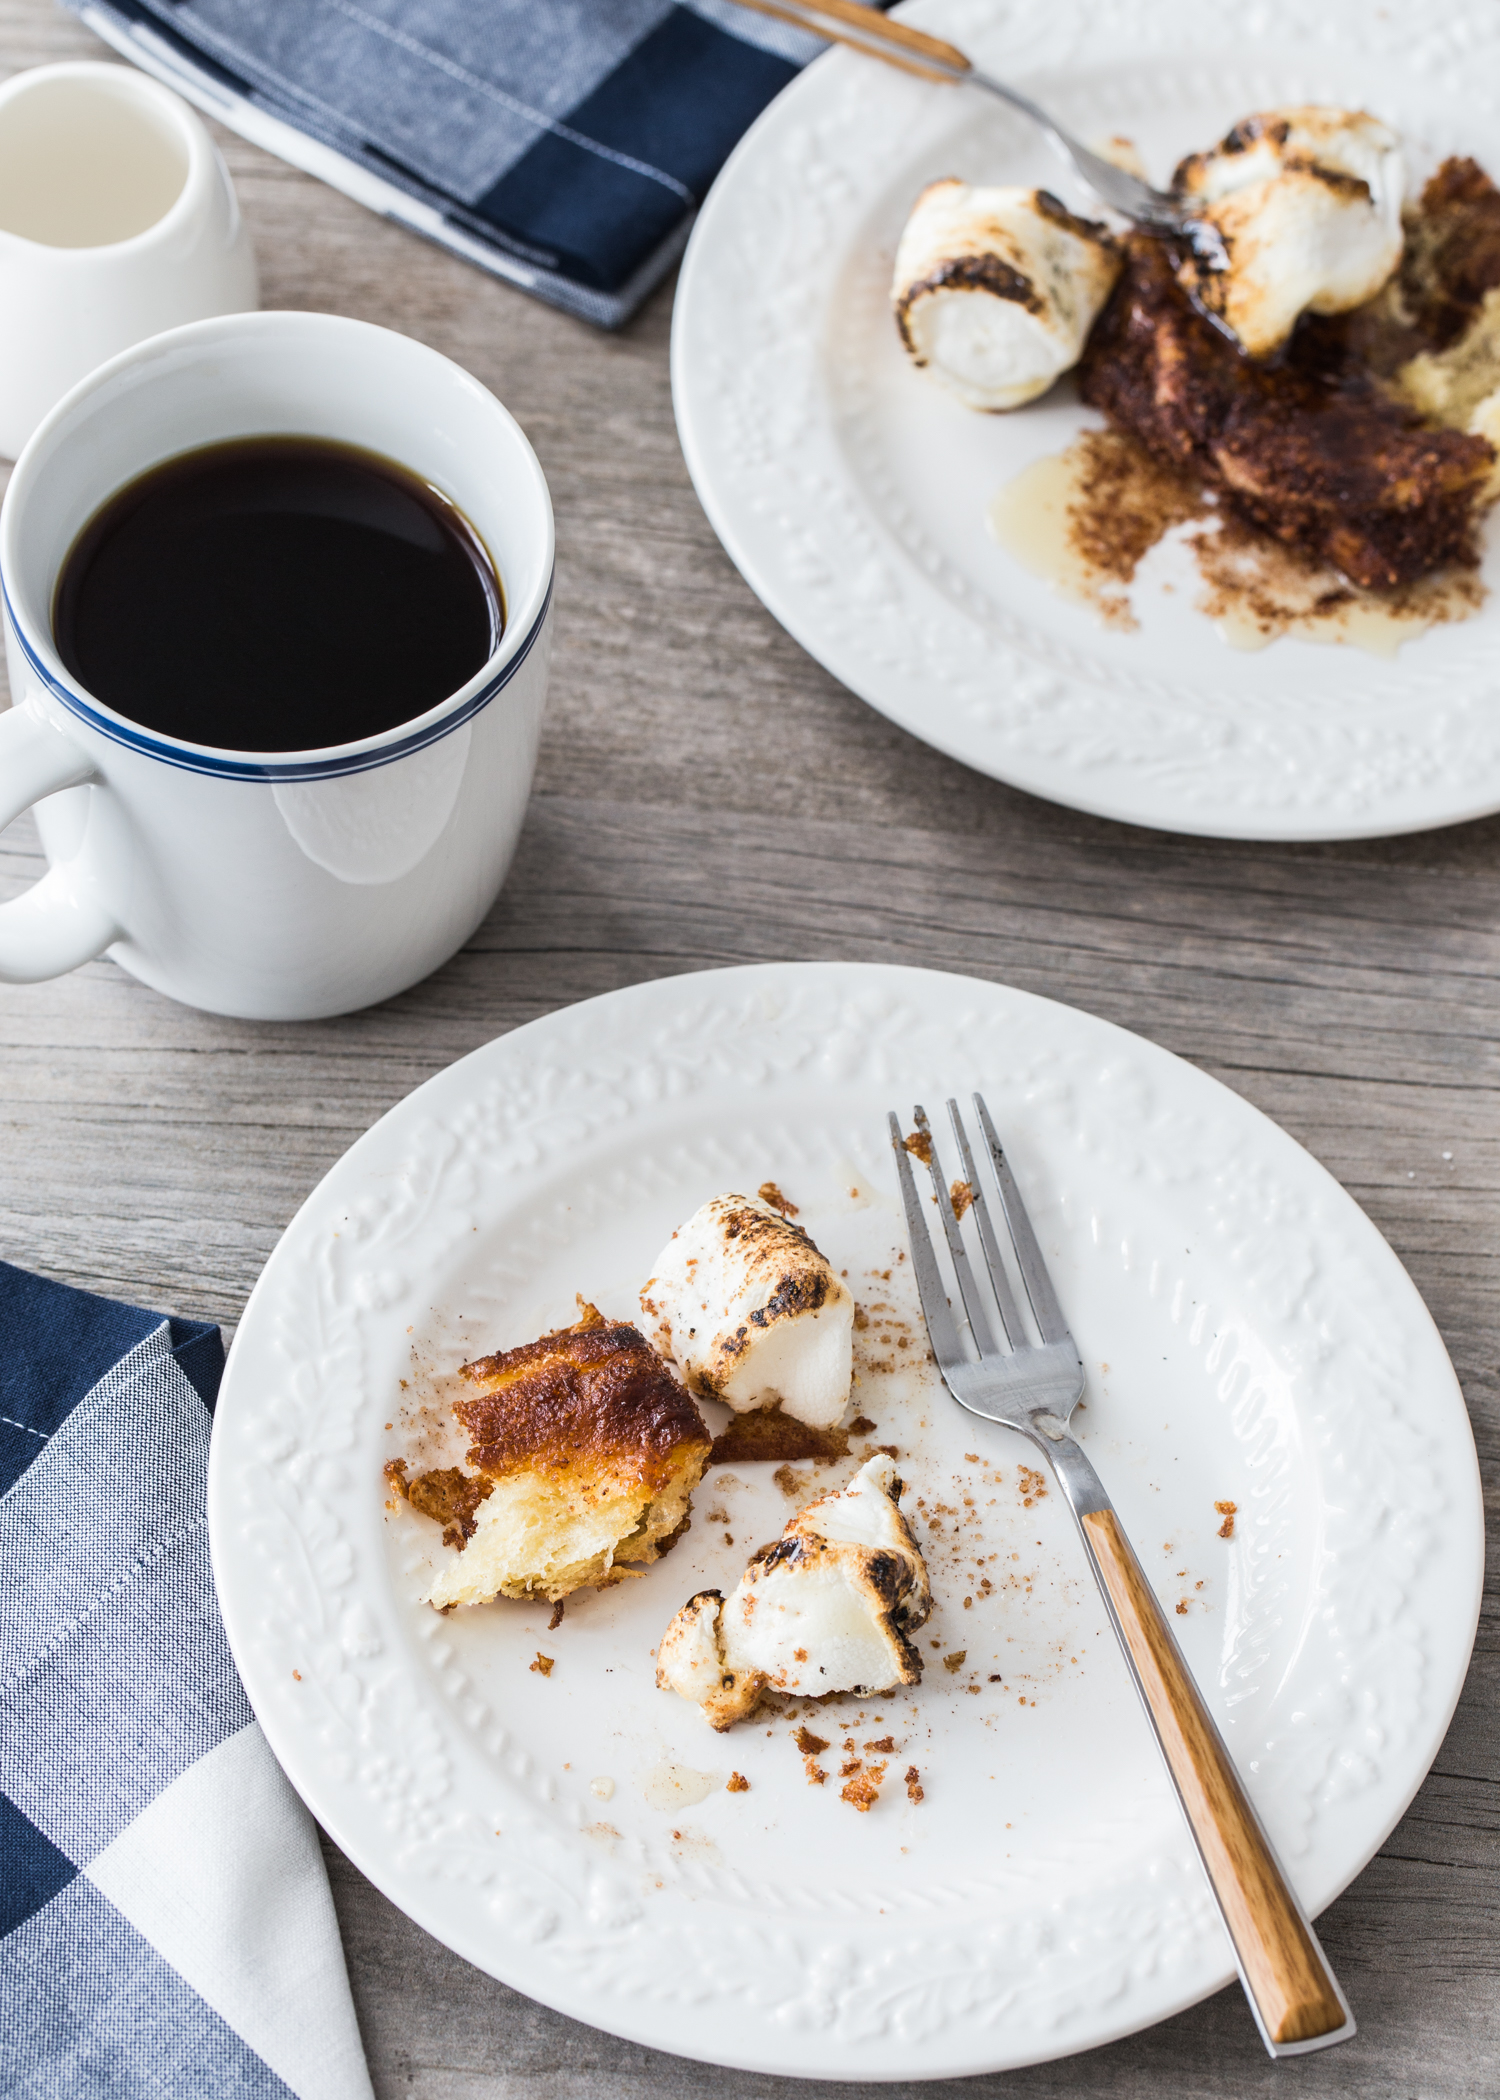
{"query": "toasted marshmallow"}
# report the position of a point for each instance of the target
(828, 1608)
(751, 1313)
(996, 290)
(1301, 213)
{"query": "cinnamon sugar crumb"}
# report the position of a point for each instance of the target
(914, 1784)
(1228, 1511)
(736, 1783)
(863, 1792)
(543, 1664)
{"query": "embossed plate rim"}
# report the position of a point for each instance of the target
(797, 522)
(418, 1168)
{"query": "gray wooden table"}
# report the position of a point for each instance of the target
(708, 795)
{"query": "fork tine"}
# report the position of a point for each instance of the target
(1049, 1315)
(942, 1329)
(979, 1324)
(1005, 1297)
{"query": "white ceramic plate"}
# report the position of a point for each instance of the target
(1249, 1338)
(852, 493)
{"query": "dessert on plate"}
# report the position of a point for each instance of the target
(584, 1453)
(829, 1608)
(752, 1313)
(1311, 373)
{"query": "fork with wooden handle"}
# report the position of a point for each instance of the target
(931, 58)
(1033, 1385)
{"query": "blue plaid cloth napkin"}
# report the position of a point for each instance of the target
(165, 1923)
(564, 146)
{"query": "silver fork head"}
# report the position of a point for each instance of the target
(1031, 1384)
(1158, 211)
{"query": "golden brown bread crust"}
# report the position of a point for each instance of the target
(1326, 464)
(595, 1395)
(1453, 256)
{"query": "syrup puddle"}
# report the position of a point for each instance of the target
(1082, 520)
(676, 1786)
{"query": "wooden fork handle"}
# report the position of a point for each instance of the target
(1289, 1982)
(872, 32)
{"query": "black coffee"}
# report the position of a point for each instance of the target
(276, 594)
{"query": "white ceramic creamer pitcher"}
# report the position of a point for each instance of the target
(117, 220)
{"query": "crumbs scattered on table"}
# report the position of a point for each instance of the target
(956, 1660)
(1228, 1511)
(557, 1616)
(543, 1664)
(914, 1784)
(808, 1743)
(737, 1783)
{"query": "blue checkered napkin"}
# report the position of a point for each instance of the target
(564, 145)
(165, 1922)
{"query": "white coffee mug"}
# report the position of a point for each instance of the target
(117, 220)
(288, 885)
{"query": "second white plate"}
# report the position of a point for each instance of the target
(853, 495)
(1249, 1337)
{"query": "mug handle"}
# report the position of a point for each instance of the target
(58, 923)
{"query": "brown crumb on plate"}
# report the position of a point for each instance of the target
(863, 1791)
(767, 1433)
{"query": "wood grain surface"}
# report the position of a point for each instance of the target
(707, 795)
